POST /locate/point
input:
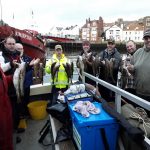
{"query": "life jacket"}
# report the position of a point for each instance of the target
(61, 79)
(6, 125)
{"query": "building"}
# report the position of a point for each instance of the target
(111, 30)
(133, 31)
(92, 30)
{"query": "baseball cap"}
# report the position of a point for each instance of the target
(111, 40)
(58, 47)
(146, 33)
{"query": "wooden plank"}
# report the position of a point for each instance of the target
(66, 145)
(40, 89)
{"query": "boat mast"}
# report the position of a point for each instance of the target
(1, 10)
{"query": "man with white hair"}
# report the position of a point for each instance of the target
(141, 68)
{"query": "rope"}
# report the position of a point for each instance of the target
(135, 115)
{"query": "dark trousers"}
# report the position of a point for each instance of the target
(23, 110)
(15, 111)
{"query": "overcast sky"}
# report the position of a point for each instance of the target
(49, 13)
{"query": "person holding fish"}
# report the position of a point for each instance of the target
(86, 57)
(28, 79)
(9, 60)
(110, 61)
(61, 71)
(125, 78)
(141, 69)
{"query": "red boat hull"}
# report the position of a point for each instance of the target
(33, 46)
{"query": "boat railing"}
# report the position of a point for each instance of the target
(118, 93)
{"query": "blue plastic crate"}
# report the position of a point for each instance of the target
(83, 96)
(98, 132)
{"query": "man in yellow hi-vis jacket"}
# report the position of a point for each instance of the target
(61, 71)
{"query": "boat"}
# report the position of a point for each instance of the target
(33, 44)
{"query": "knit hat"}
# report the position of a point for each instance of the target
(146, 33)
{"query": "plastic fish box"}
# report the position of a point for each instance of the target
(83, 96)
(97, 132)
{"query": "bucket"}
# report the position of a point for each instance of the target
(37, 109)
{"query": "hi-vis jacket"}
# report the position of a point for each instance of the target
(61, 79)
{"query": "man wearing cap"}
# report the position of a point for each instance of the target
(141, 68)
(110, 59)
(58, 66)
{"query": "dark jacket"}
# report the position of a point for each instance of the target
(115, 54)
(29, 69)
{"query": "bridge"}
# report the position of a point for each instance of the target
(58, 39)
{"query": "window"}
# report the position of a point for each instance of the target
(148, 22)
(94, 23)
(117, 32)
(110, 31)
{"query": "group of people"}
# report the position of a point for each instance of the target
(113, 68)
(12, 112)
(129, 71)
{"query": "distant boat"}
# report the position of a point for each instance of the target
(33, 45)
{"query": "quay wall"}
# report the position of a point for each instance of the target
(74, 47)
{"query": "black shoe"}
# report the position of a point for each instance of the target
(18, 139)
(20, 130)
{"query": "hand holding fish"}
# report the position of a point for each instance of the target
(32, 62)
(130, 67)
(15, 63)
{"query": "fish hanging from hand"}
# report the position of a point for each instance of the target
(54, 69)
(36, 68)
(18, 80)
(69, 68)
(108, 67)
(96, 65)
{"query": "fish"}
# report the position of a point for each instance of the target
(22, 77)
(52, 68)
(80, 65)
(125, 74)
(111, 70)
(41, 72)
(55, 70)
(96, 65)
(69, 68)
(108, 66)
(36, 67)
(18, 80)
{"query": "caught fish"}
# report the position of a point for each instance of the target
(108, 70)
(111, 69)
(52, 68)
(80, 64)
(55, 70)
(69, 70)
(96, 65)
(125, 74)
(22, 77)
(36, 67)
(18, 80)
(41, 72)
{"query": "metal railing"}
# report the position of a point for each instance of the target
(118, 93)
